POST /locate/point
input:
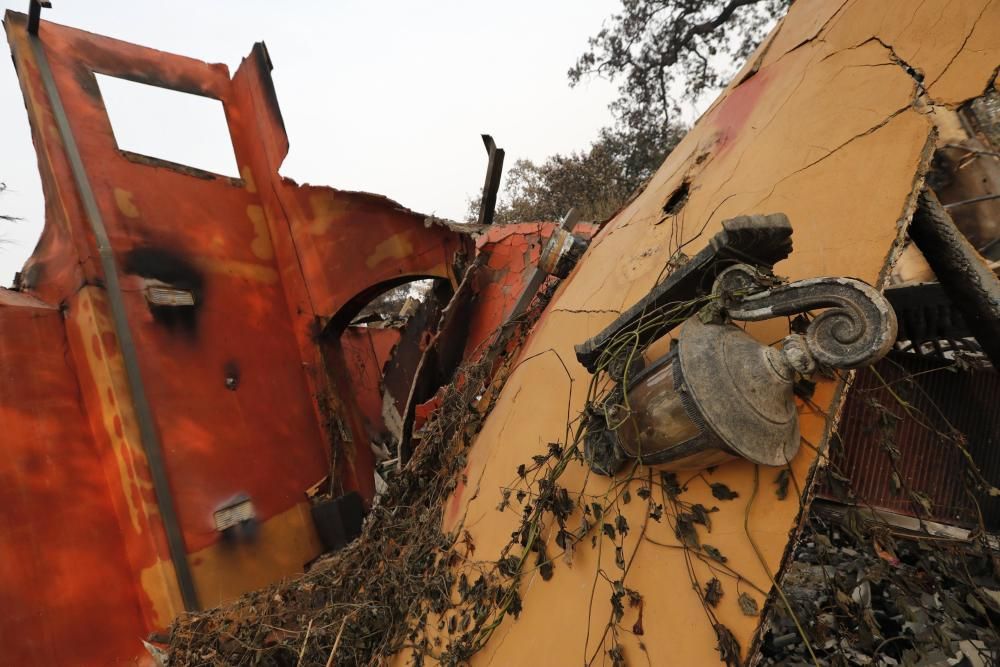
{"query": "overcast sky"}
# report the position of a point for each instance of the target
(387, 97)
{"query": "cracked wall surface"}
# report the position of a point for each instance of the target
(832, 122)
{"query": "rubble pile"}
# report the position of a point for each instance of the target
(383, 592)
(870, 595)
(359, 603)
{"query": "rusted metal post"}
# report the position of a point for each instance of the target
(35, 14)
(488, 205)
(963, 273)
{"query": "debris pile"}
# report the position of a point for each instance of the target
(374, 597)
(871, 595)
(357, 603)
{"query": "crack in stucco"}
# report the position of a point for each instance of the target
(961, 48)
(587, 311)
(846, 143)
(895, 58)
(910, 70)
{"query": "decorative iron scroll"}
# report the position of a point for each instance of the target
(857, 327)
(719, 393)
(760, 240)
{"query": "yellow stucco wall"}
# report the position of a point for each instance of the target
(832, 131)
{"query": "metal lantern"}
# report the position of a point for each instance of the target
(720, 394)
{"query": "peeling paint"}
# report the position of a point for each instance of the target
(125, 204)
(395, 247)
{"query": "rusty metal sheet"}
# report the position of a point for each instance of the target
(63, 547)
(943, 397)
(247, 388)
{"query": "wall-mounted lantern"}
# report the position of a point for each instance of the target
(720, 394)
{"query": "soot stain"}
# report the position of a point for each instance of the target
(173, 269)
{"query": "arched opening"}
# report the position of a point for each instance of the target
(379, 297)
(372, 348)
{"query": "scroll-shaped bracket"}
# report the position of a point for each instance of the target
(722, 394)
(719, 393)
(856, 327)
(757, 240)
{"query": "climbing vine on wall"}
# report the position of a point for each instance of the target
(406, 586)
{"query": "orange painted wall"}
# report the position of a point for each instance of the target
(63, 559)
(241, 394)
(366, 352)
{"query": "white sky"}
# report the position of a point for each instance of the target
(384, 96)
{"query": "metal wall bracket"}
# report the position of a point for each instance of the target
(856, 327)
(719, 393)
(758, 240)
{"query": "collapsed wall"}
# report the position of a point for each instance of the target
(833, 121)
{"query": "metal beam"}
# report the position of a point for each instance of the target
(35, 14)
(488, 205)
(962, 271)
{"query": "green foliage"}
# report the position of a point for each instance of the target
(6, 218)
(664, 51)
(661, 52)
(597, 181)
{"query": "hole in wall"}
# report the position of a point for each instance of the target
(677, 199)
(170, 125)
(398, 301)
(380, 338)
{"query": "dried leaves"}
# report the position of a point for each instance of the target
(685, 531)
(671, 487)
(722, 492)
(621, 524)
(729, 648)
(713, 592)
(855, 586)
(748, 605)
(781, 483)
